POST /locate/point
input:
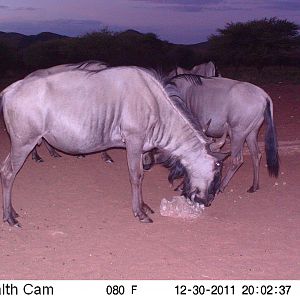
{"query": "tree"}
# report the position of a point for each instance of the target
(254, 43)
(183, 56)
(46, 54)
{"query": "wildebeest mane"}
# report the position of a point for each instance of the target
(177, 100)
(84, 66)
(175, 95)
(192, 78)
(177, 171)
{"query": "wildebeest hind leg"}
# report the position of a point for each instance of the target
(135, 167)
(256, 157)
(236, 160)
(35, 156)
(9, 169)
(51, 150)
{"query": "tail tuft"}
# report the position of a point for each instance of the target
(271, 146)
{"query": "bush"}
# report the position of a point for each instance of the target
(256, 43)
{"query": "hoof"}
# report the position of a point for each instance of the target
(252, 190)
(13, 222)
(146, 220)
(147, 209)
(109, 161)
(106, 158)
(143, 218)
(38, 160)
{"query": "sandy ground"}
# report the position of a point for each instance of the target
(78, 224)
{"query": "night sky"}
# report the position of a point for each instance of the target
(177, 21)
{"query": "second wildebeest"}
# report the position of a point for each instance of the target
(242, 107)
(82, 111)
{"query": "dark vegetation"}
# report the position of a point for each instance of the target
(259, 50)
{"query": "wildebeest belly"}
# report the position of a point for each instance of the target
(83, 140)
(82, 125)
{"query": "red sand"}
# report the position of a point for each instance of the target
(78, 224)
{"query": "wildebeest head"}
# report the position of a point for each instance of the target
(202, 188)
(197, 188)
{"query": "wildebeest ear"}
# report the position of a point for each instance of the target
(220, 156)
(148, 160)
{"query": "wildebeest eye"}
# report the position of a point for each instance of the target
(218, 164)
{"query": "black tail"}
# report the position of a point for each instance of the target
(1, 105)
(271, 146)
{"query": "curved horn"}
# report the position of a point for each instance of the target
(217, 145)
(205, 128)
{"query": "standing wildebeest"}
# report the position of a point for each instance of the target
(82, 111)
(244, 107)
(238, 107)
(91, 65)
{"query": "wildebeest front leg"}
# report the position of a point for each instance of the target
(135, 167)
(236, 160)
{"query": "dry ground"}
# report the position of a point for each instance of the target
(77, 220)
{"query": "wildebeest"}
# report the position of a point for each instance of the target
(82, 111)
(242, 107)
(91, 65)
(206, 69)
